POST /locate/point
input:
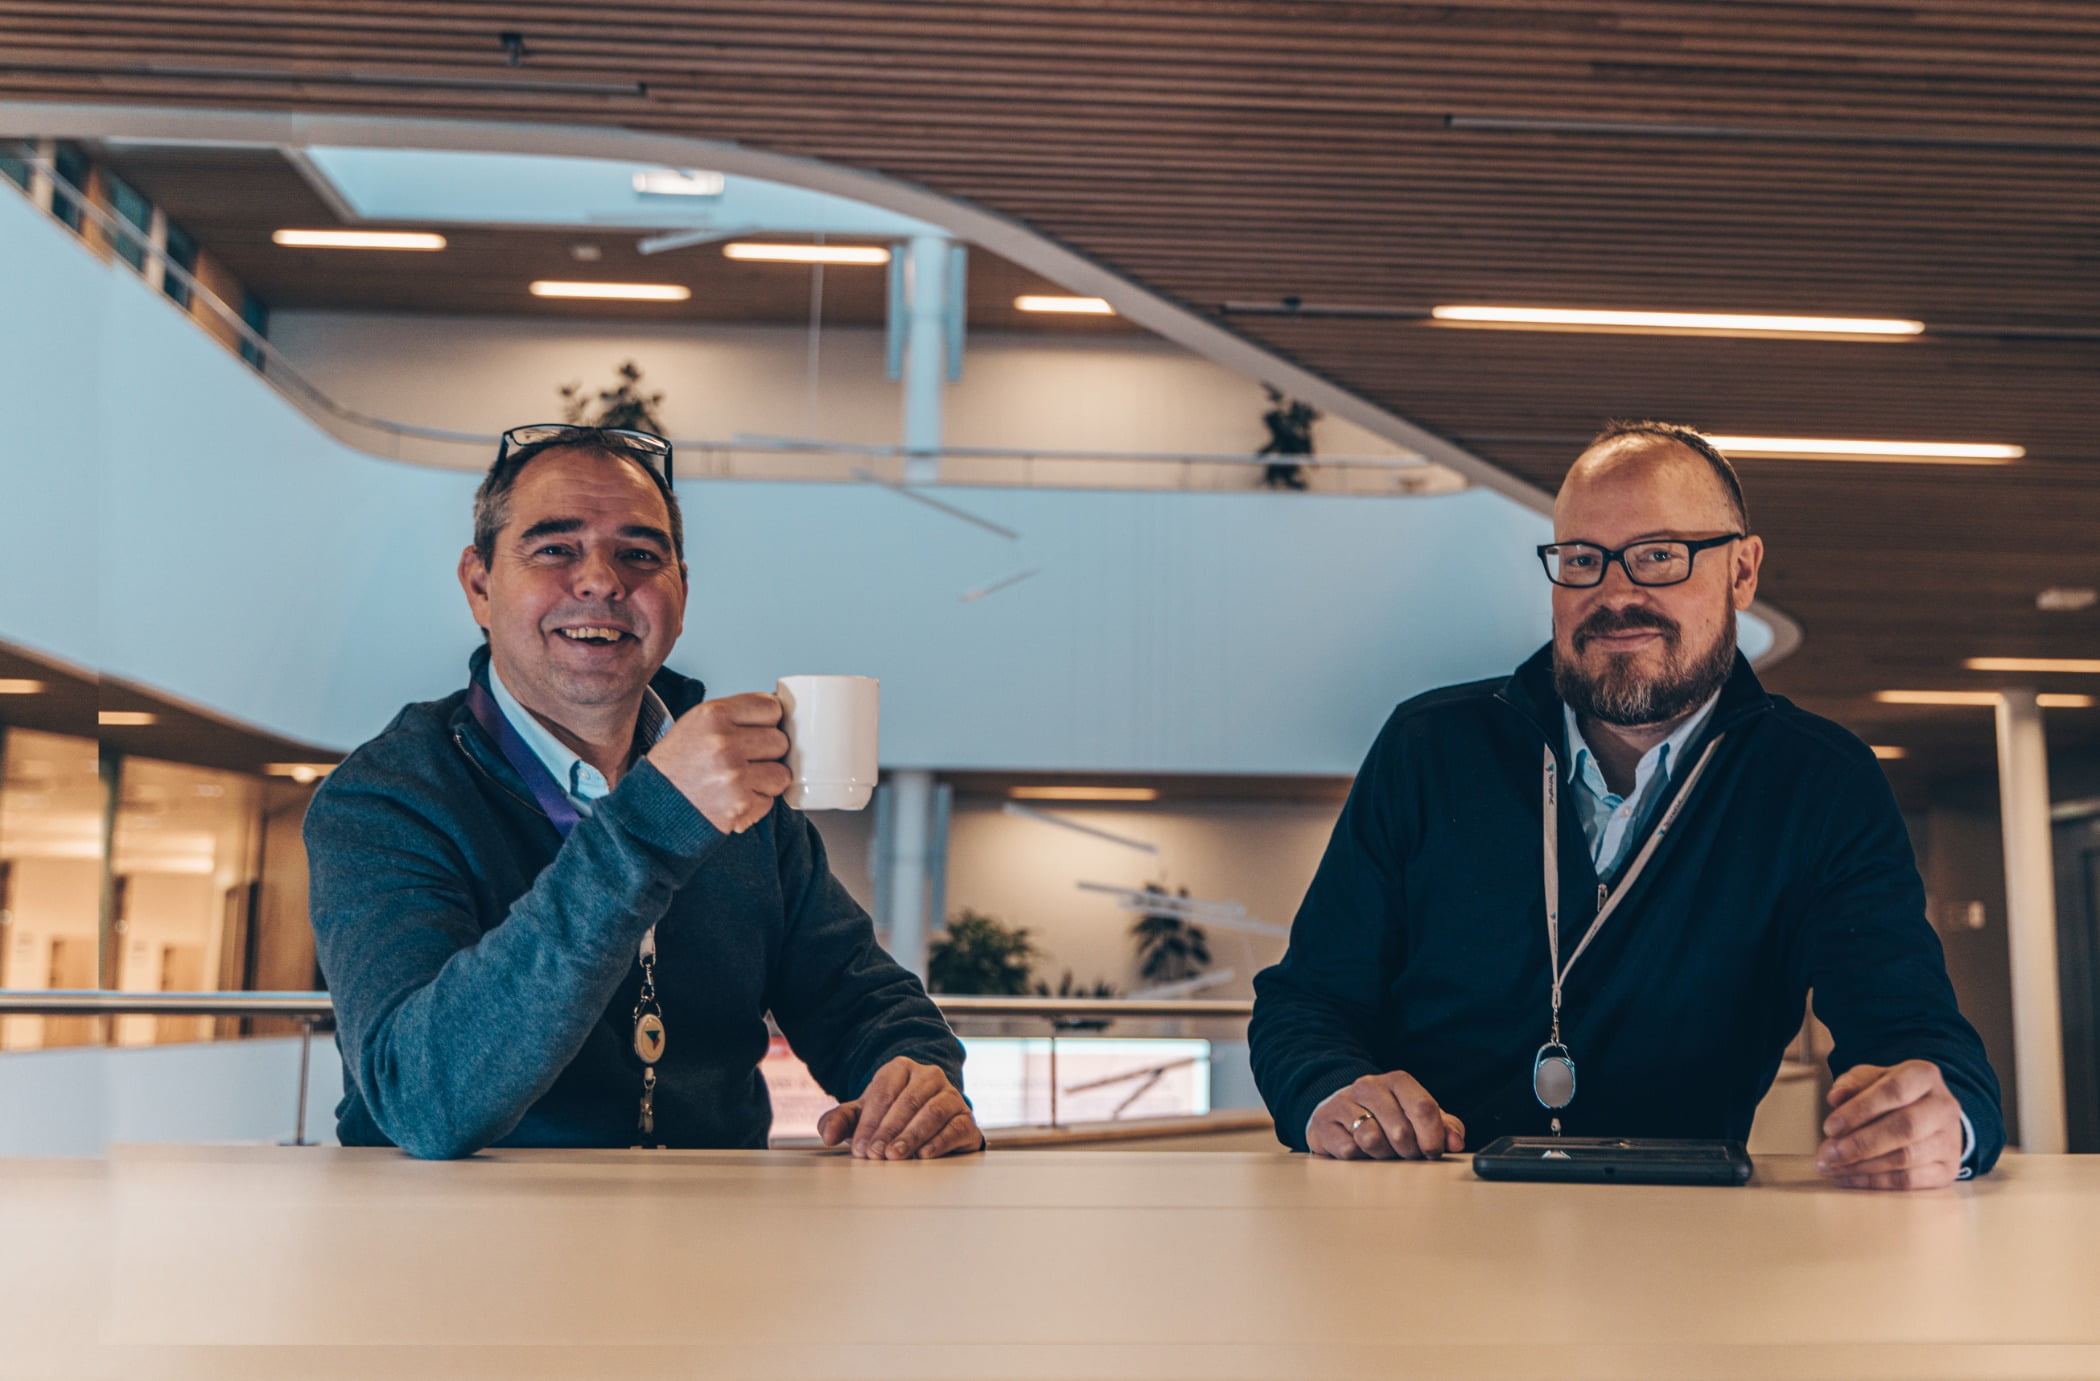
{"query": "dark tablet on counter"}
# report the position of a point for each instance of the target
(1613, 1160)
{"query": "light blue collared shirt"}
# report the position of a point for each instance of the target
(1610, 822)
(582, 783)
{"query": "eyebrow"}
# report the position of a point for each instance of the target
(1665, 535)
(555, 527)
(647, 533)
(550, 527)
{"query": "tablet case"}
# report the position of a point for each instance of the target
(1613, 1160)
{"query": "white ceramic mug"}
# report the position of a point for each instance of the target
(830, 722)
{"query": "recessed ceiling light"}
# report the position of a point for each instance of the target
(754, 252)
(359, 239)
(613, 292)
(2089, 666)
(1672, 323)
(1085, 793)
(1890, 750)
(1084, 306)
(1912, 697)
(1902, 452)
(20, 686)
(126, 719)
(2066, 599)
(299, 771)
(679, 182)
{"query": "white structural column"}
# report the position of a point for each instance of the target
(2030, 908)
(905, 871)
(925, 354)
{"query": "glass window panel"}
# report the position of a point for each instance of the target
(51, 805)
(281, 950)
(1099, 1079)
(135, 211)
(182, 252)
(186, 851)
(73, 168)
(256, 313)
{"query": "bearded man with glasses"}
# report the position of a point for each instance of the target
(555, 908)
(1460, 955)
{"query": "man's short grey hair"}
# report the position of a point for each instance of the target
(492, 499)
(1731, 487)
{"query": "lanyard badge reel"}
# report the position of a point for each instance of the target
(1553, 1067)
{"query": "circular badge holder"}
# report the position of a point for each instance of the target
(1553, 1076)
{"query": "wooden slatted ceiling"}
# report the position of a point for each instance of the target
(1937, 159)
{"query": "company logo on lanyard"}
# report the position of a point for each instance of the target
(562, 813)
(1553, 1067)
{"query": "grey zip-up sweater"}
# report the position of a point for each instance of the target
(484, 970)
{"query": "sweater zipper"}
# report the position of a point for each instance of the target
(459, 740)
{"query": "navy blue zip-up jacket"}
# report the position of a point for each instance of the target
(484, 971)
(1421, 945)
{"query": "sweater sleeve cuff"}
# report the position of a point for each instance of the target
(657, 813)
(1318, 1089)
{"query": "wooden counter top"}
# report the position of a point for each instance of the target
(277, 1262)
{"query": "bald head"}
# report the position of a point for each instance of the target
(1634, 653)
(1675, 459)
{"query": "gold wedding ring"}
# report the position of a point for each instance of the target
(1364, 1115)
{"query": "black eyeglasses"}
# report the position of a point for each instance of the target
(651, 450)
(1580, 565)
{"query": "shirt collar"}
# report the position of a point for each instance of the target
(576, 777)
(1582, 765)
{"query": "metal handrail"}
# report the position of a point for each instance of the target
(315, 1011)
(1055, 1007)
(30, 1002)
(104, 1002)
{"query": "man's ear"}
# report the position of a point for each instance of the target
(1749, 559)
(474, 579)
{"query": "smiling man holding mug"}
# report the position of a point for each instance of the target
(555, 908)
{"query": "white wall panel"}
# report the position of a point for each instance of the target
(1072, 392)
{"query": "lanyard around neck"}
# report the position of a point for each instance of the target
(648, 1012)
(560, 810)
(553, 801)
(1551, 801)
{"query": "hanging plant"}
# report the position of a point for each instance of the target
(622, 405)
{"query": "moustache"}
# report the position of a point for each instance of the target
(1608, 621)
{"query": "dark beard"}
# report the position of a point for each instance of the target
(1619, 696)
